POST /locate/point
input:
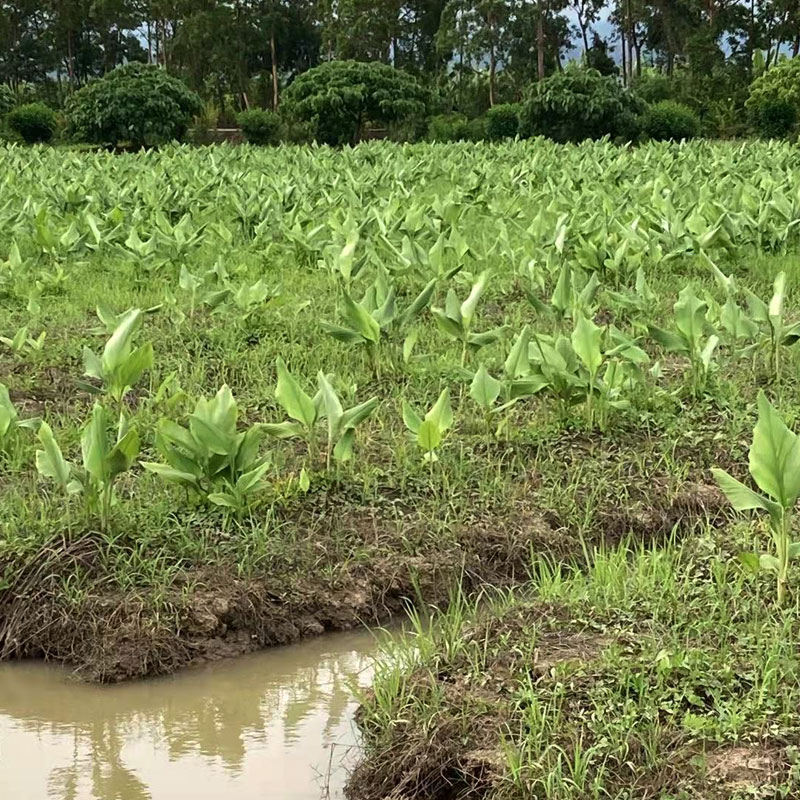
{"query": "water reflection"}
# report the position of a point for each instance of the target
(276, 724)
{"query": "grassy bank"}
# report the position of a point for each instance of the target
(239, 257)
(658, 672)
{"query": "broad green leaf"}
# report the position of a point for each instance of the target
(331, 406)
(250, 480)
(297, 404)
(170, 474)
(283, 430)
(769, 562)
(470, 304)
(223, 499)
(775, 456)
(750, 561)
(344, 447)
(94, 445)
(517, 365)
(421, 301)
(212, 437)
(586, 342)
(408, 345)
(441, 415)
(446, 324)
(411, 419)
(690, 317)
(360, 319)
(354, 416)
(429, 435)
(668, 340)
(50, 462)
(740, 496)
(119, 345)
(484, 389)
(342, 334)
(123, 453)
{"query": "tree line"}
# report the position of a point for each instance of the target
(477, 53)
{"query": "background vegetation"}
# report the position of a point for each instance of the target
(466, 56)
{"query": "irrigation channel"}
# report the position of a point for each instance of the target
(275, 724)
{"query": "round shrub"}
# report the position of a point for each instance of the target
(579, 104)
(338, 97)
(135, 103)
(773, 119)
(7, 99)
(502, 122)
(449, 128)
(34, 122)
(259, 126)
(779, 83)
(669, 119)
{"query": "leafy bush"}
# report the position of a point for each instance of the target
(259, 126)
(339, 97)
(448, 128)
(134, 103)
(773, 118)
(669, 119)
(7, 99)
(579, 104)
(34, 122)
(780, 83)
(502, 122)
(653, 86)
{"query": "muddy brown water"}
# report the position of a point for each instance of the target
(272, 725)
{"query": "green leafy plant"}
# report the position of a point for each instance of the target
(21, 343)
(779, 84)
(775, 468)
(119, 366)
(573, 294)
(774, 118)
(338, 97)
(502, 121)
(305, 412)
(103, 461)
(455, 319)
(691, 337)
(135, 103)
(259, 126)
(209, 456)
(35, 123)
(429, 432)
(777, 331)
(378, 319)
(669, 119)
(576, 104)
(10, 421)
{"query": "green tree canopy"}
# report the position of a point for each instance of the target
(136, 103)
(338, 97)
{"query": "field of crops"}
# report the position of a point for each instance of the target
(250, 395)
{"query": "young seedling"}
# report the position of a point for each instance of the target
(21, 343)
(103, 461)
(10, 421)
(690, 337)
(377, 319)
(485, 390)
(455, 319)
(120, 366)
(573, 294)
(779, 332)
(306, 412)
(209, 456)
(775, 467)
(429, 432)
